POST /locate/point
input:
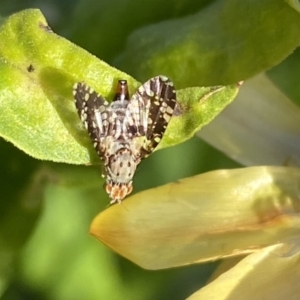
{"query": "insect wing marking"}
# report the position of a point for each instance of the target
(93, 110)
(136, 114)
(153, 105)
(125, 131)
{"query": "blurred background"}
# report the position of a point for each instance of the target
(46, 209)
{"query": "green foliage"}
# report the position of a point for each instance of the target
(43, 121)
(107, 34)
(38, 113)
(223, 43)
(285, 76)
(199, 45)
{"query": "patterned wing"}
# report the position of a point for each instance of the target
(151, 109)
(136, 114)
(93, 110)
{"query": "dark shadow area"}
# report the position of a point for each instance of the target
(58, 87)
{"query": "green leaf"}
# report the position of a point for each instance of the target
(286, 76)
(210, 216)
(102, 26)
(38, 71)
(220, 44)
(198, 107)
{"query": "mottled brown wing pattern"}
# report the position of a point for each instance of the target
(94, 112)
(125, 131)
(156, 100)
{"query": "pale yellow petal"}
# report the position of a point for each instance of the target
(272, 273)
(260, 127)
(217, 214)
